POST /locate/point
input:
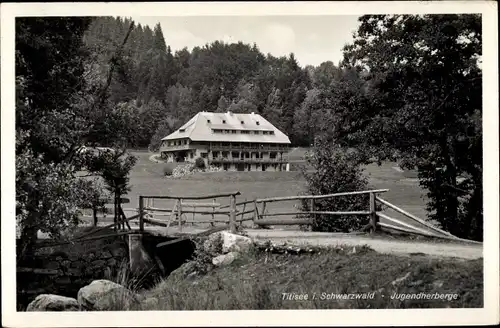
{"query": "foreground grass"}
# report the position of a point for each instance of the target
(258, 281)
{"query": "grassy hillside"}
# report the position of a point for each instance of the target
(258, 281)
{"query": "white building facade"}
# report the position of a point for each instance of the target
(234, 142)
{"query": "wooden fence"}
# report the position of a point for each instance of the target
(185, 205)
(239, 212)
(257, 211)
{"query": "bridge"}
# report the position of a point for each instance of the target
(162, 221)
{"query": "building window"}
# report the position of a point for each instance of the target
(258, 123)
(203, 155)
(223, 121)
(215, 154)
(227, 131)
(191, 155)
(208, 121)
(256, 132)
(242, 122)
(226, 167)
(272, 155)
(233, 131)
(245, 132)
(271, 132)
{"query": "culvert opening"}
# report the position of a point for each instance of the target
(171, 256)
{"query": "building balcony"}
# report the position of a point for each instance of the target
(249, 148)
(175, 148)
(248, 160)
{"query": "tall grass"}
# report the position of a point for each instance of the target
(258, 281)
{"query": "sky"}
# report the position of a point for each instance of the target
(313, 39)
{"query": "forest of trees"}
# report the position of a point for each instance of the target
(164, 89)
(107, 81)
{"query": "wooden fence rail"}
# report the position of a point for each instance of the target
(180, 206)
(312, 213)
(261, 215)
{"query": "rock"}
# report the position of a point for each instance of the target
(64, 280)
(66, 263)
(73, 257)
(416, 283)
(51, 302)
(183, 271)
(225, 259)
(76, 265)
(98, 263)
(438, 284)
(106, 255)
(52, 265)
(74, 272)
(401, 279)
(105, 295)
(235, 243)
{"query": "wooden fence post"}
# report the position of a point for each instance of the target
(313, 209)
(232, 214)
(179, 213)
(263, 210)
(194, 210)
(255, 210)
(213, 215)
(243, 212)
(373, 212)
(141, 214)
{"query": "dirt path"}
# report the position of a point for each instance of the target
(458, 250)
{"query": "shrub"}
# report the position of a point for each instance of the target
(205, 250)
(168, 169)
(199, 163)
(335, 170)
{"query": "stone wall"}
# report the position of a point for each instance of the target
(63, 270)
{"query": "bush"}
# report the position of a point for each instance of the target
(206, 249)
(199, 163)
(168, 169)
(336, 170)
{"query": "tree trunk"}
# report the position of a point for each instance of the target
(94, 213)
(27, 243)
(451, 198)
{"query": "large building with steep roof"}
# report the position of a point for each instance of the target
(234, 142)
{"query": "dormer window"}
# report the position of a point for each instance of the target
(182, 130)
(258, 123)
(223, 121)
(208, 121)
(242, 122)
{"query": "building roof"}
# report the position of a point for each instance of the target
(199, 128)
